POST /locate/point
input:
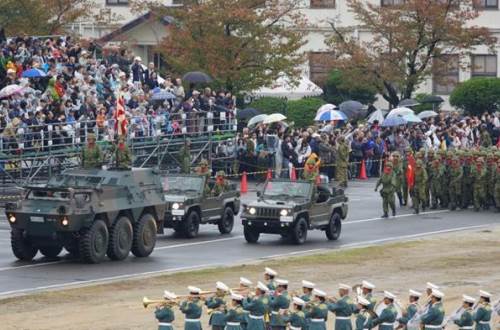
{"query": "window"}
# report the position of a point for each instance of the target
(387, 3)
(486, 4)
(117, 2)
(484, 66)
(319, 66)
(445, 74)
(322, 4)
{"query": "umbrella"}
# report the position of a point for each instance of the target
(257, 119)
(10, 90)
(326, 107)
(408, 103)
(330, 115)
(427, 114)
(394, 121)
(197, 77)
(247, 113)
(274, 118)
(351, 109)
(162, 96)
(34, 73)
(402, 111)
(156, 90)
(376, 115)
(412, 118)
(432, 99)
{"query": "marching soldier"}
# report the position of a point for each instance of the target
(398, 175)
(433, 318)
(342, 162)
(317, 314)
(245, 285)
(418, 194)
(480, 175)
(363, 317)
(257, 307)
(410, 310)
(192, 309)
(307, 289)
(218, 307)
(386, 319)
(297, 319)
(234, 316)
(428, 163)
(91, 153)
(467, 181)
(436, 175)
(367, 292)
(482, 316)
(164, 313)
(497, 186)
(456, 177)
(406, 161)
(491, 165)
(279, 302)
(269, 275)
(220, 184)
(185, 157)
(123, 157)
(388, 182)
(465, 321)
(429, 288)
(342, 308)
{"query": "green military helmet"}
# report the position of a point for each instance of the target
(389, 164)
(420, 163)
(396, 154)
(311, 161)
(420, 154)
(91, 136)
(122, 138)
(204, 162)
(480, 160)
(220, 174)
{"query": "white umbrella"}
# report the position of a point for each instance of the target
(376, 115)
(256, 120)
(283, 87)
(427, 114)
(411, 118)
(326, 107)
(10, 90)
(274, 118)
(330, 115)
(401, 111)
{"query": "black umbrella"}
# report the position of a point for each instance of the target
(408, 103)
(352, 109)
(247, 113)
(432, 99)
(197, 77)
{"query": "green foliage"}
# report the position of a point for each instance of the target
(269, 105)
(424, 106)
(477, 95)
(339, 89)
(303, 111)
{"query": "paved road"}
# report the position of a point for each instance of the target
(362, 227)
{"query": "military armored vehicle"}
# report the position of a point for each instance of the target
(91, 213)
(292, 208)
(190, 202)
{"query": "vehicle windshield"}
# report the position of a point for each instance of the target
(49, 195)
(284, 190)
(182, 185)
(74, 181)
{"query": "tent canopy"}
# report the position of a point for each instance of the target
(282, 87)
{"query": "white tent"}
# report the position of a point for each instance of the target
(283, 88)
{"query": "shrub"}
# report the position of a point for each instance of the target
(477, 95)
(269, 105)
(339, 88)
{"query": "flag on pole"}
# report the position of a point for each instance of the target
(121, 122)
(410, 171)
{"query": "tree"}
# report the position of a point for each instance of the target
(477, 95)
(269, 105)
(48, 17)
(405, 39)
(303, 111)
(339, 88)
(243, 44)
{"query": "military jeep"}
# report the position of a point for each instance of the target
(292, 208)
(91, 213)
(191, 203)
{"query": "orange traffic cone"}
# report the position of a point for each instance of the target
(362, 171)
(269, 174)
(293, 174)
(244, 183)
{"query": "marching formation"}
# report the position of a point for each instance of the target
(269, 305)
(443, 179)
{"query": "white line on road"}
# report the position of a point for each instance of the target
(352, 222)
(198, 243)
(31, 265)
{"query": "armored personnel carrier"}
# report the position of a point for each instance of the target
(91, 213)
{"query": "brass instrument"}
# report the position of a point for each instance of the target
(160, 302)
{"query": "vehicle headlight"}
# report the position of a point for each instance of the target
(65, 222)
(12, 218)
(252, 210)
(176, 206)
(284, 213)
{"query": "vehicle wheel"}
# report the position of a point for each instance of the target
(120, 239)
(251, 235)
(226, 223)
(21, 246)
(191, 224)
(334, 227)
(94, 242)
(298, 232)
(51, 251)
(144, 236)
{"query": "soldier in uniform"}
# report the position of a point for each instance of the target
(279, 302)
(203, 169)
(465, 321)
(317, 314)
(342, 162)
(436, 175)
(428, 163)
(257, 307)
(388, 182)
(218, 307)
(398, 171)
(269, 275)
(467, 181)
(367, 292)
(311, 170)
(482, 316)
(192, 309)
(307, 289)
(491, 165)
(433, 318)
(123, 157)
(456, 178)
(234, 316)
(342, 308)
(164, 313)
(185, 157)
(497, 186)
(406, 161)
(480, 175)
(297, 318)
(91, 153)
(363, 317)
(418, 194)
(386, 319)
(411, 309)
(220, 184)
(245, 285)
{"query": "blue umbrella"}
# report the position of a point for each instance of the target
(34, 73)
(162, 96)
(412, 118)
(394, 121)
(156, 90)
(330, 115)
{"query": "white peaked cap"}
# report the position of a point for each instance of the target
(169, 295)
(307, 284)
(438, 294)
(389, 295)
(193, 289)
(363, 301)
(235, 296)
(367, 285)
(414, 293)
(319, 293)
(484, 294)
(280, 281)
(270, 271)
(432, 286)
(298, 301)
(221, 286)
(468, 299)
(245, 281)
(344, 286)
(262, 286)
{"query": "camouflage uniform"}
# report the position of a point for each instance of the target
(311, 170)
(220, 184)
(456, 178)
(418, 193)
(428, 163)
(398, 174)
(491, 168)
(203, 169)
(185, 157)
(388, 182)
(497, 186)
(444, 181)
(123, 157)
(436, 173)
(91, 154)
(467, 181)
(342, 163)
(480, 176)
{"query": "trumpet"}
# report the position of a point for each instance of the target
(160, 302)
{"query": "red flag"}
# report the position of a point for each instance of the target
(410, 171)
(120, 117)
